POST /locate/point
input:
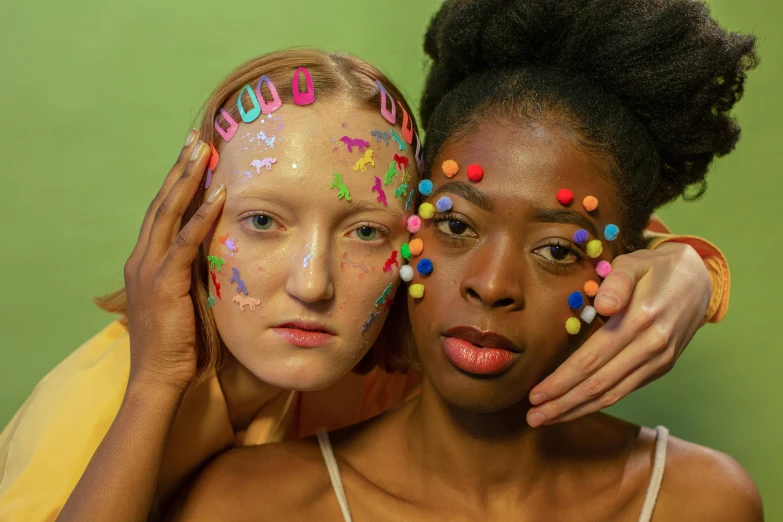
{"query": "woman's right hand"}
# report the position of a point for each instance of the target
(161, 315)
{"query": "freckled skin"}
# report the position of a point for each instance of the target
(301, 251)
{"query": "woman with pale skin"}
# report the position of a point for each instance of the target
(505, 266)
(184, 382)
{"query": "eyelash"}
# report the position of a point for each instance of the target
(562, 267)
(450, 216)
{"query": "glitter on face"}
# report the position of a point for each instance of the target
(294, 165)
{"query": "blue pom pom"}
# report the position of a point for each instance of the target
(611, 232)
(580, 236)
(425, 187)
(444, 204)
(424, 267)
(576, 301)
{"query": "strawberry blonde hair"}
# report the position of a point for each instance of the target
(334, 76)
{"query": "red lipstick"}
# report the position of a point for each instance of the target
(477, 352)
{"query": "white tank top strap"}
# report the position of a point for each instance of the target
(334, 472)
(659, 464)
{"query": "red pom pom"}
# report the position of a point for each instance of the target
(565, 196)
(475, 173)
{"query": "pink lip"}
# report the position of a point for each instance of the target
(477, 360)
(304, 334)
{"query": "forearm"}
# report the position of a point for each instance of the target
(121, 479)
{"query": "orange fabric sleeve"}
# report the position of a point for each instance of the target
(658, 233)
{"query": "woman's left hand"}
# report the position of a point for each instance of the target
(666, 291)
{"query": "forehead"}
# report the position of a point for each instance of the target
(529, 161)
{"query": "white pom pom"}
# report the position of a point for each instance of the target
(588, 314)
(406, 273)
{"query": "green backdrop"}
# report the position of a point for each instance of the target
(97, 98)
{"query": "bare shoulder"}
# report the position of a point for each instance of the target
(702, 484)
(272, 481)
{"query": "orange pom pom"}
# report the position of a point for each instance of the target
(450, 168)
(591, 288)
(590, 203)
(416, 246)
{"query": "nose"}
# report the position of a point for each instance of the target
(310, 278)
(494, 276)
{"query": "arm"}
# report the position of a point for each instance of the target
(121, 479)
(656, 300)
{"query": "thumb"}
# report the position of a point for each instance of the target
(616, 290)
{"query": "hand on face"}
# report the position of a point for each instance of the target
(505, 262)
(657, 299)
(311, 243)
(161, 320)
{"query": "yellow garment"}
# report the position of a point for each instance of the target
(49, 442)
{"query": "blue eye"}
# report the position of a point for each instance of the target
(262, 222)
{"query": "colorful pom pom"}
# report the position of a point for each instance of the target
(416, 246)
(603, 269)
(475, 173)
(590, 203)
(580, 236)
(611, 232)
(424, 267)
(425, 187)
(573, 325)
(406, 273)
(405, 251)
(576, 301)
(414, 223)
(565, 196)
(595, 248)
(588, 314)
(450, 168)
(416, 291)
(444, 204)
(591, 288)
(426, 210)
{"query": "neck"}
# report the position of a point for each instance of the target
(472, 450)
(245, 393)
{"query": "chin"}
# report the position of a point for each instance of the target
(478, 394)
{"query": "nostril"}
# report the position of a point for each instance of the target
(472, 293)
(500, 303)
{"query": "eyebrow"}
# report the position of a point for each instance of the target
(361, 205)
(564, 216)
(466, 192)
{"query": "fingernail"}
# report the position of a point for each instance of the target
(536, 419)
(191, 136)
(607, 299)
(200, 146)
(538, 398)
(212, 197)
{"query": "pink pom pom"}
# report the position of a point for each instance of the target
(414, 223)
(603, 268)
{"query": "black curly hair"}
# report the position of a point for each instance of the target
(645, 84)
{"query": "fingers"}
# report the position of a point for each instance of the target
(187, 242)
(639, 378)
(599, 349)
(617, 288)
(650, 354)
(168, 216)
(171, 178)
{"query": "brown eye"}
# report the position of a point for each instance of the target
(455, 227)
(557, 253)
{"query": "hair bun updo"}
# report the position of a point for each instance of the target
(667, 61)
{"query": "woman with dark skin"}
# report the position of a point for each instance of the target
(624, 101)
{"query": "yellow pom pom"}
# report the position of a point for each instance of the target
(595, 248)
(450, 168)
(573, 325)
(416, 291)
(426, 210)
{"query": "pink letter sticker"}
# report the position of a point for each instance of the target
(407, 125)
(303, 98)
(391, 117)
(232, 126)
(253, 113)
(268, 108)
